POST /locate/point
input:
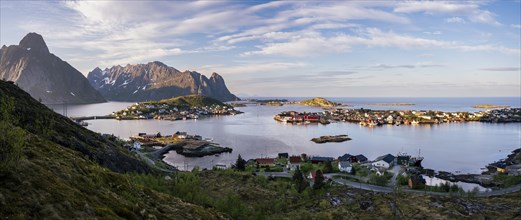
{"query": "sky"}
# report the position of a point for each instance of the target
(292, 48)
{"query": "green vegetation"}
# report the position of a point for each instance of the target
(240, 164)
(507, 181)
(300, 182)
(319, 180)
(12, 141)
(382, 180)
(187, 102)
(319, 102)
(403, 180)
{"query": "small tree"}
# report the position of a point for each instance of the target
(328, 167)
(300, 183)
(240, 164)
(319, 180)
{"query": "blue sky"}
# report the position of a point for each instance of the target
(293, 48)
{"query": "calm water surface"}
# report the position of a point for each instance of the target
(456, 147)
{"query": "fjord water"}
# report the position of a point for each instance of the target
(455, 147)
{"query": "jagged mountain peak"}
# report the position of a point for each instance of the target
(35, 42)
(155, 81)
(44, 75)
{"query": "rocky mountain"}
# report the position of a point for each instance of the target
(155, 81)
(43, 75)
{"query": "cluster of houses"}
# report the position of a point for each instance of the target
(369, 117)
(379, 165)
(298, 117)
(151, 139)
(502, 115)
(510, 169)
(164, 111)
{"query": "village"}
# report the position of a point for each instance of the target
(400, 170)
(166, 111)
(368, 117)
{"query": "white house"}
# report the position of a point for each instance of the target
(137, 145)
(384, 161)
(294, 162)
(345, 166)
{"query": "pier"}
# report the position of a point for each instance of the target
(84, 118)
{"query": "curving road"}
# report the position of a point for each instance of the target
(386, 189)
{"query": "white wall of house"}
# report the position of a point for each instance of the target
(293, 166)
(381, 163)
(345, 169)
(137, 145)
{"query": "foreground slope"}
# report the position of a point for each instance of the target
(43, 75)
(52, 168)
(156, 81)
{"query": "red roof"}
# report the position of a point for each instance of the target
(295, 159)
(265, 160)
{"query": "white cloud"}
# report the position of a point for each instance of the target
(251, 67)
(501, 69)
(432, 33)
(518, 26)
(470, 9)
(424, 64)
(302, 46)
(455, 20)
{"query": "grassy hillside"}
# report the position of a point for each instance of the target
(190, 101)
(319, 102)
(52, 168)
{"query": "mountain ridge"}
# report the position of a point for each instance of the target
(155, 81)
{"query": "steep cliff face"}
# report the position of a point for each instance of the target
(43, 75)
(155, 81)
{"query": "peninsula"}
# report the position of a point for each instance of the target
(184, 107)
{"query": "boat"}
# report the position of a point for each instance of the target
(414, 122)
(416, 161)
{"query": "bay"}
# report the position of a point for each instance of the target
(455, 147)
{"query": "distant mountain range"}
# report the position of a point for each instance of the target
(43, 75)
(49, 79)
(155, 81)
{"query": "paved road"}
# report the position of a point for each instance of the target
(386, 189)
(151, 162)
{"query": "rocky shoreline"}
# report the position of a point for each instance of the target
(327, 139)
(192, 148)
(485, 179)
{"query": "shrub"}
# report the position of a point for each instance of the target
(12, 141)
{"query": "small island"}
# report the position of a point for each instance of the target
(319, 102)
(327, 139)
(183, 143)
(490, 106)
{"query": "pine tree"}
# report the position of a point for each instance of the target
(328, 167)
(300, 183)
(240, 164)
(319, 180)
